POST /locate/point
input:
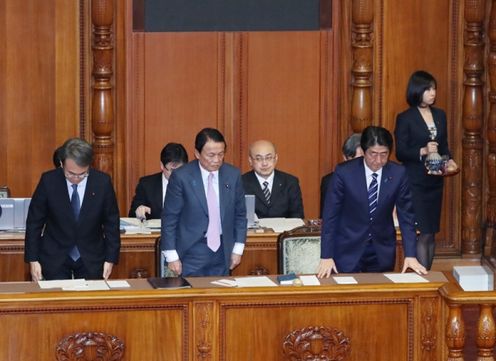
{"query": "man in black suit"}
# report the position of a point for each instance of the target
(149, 197)
(72, 228)
(351, 149)
(277, 194)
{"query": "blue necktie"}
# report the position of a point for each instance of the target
(372, 194)
(76, 206)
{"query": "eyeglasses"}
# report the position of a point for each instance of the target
(269, 158)
(72, 175)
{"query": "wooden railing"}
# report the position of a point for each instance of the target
(455, 335)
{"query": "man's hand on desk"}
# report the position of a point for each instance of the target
(411, 262)
(142, 211)
(235, 261)
(176, 267)
(107, 270)
(326, 266)
(35, 268)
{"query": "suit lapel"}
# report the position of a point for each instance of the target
(385, 189)
(63, 195)
(362, 182)
(89, 193)
(198, 187)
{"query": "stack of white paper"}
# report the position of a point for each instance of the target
(280, 225)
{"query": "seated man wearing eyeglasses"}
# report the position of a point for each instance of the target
(149, 197)
(277, 194)
(72, 228)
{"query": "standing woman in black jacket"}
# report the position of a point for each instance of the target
(421, 130)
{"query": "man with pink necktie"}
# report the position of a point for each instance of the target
(204, 215)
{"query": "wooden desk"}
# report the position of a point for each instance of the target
(137, 258)
(380, 320)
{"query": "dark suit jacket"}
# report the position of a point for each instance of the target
(346, 225)
(52, 230)
(324, 185)
(148, 193)
(411, 134)
(285, 200)
(185, 213)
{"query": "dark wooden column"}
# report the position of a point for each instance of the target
(361, 43)
(490, 248)
(472, 124)
(455, 333)
(102, 107)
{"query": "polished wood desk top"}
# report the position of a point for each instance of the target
(367, 282)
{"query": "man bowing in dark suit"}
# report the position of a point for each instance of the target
(72, 228)
(204, 215)
(150, 192)
(277, 194)
(358, 233)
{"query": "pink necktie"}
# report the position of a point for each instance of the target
(213, 231)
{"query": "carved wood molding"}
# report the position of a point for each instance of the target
(90, 346)
(38, 309)
(102, 112)
(429, 332)
(455, 333)
(362, 49)
(316, 343)
(486, 333)
(204, 338)
(472, 123)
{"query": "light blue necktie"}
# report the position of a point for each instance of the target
(76, 206)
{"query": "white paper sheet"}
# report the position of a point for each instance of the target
(225, 283)
(118, 284)
(280, 225)
(260, 281)
(61, 283)
(88, 286)
(309, 280)
(405, 277)
(345, 280)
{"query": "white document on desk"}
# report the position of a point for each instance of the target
(309, 280)
(280, 225)
(61, 283)
(118, 284)
(99, 285)
(405, 278)
(347, 280)
(260, 281)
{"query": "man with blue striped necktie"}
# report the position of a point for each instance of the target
(72, 228)
(358, 233)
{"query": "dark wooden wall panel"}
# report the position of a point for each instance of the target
(410, 38)
(40, 88)
(180, 90)
(283, 104)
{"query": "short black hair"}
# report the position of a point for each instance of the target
(58, 157)
(350, 145)
(373, 135)
(207, 134)
(419, 82)
(173, 153)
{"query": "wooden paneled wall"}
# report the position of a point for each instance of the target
(305, 91)
(39, 87)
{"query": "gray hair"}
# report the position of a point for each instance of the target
(79, 150)
(350, 145)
